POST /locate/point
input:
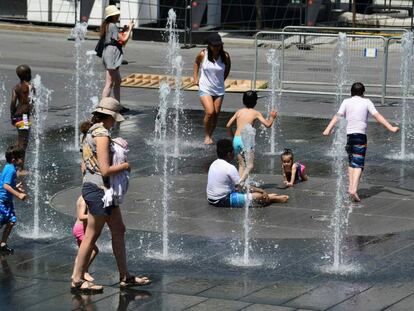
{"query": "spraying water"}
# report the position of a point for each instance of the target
(40, 96)
(273, 59)
(161, 131)
(340, 216)
(175, 63)
(406, 71)
(3, 94)
(248, 135)
(78, 33)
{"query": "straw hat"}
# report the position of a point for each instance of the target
(110, 106)
(111, 10)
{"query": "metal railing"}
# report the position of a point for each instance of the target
(306, 59)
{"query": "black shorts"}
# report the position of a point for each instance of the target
(93, 195)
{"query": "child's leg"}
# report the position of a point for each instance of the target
(94, 253)
(6, 232)
(93, 231)
(355, 175)
(22, 139)
(240, 160)
(249, 166)
(278, 198)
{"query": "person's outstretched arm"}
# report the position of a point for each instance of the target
(330, 126)
(380, 119)
(267, 122)
(291, 182)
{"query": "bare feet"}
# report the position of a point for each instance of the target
(354, 196)
(283, 198)
(208, 141)
(278, 198)
(88, 277)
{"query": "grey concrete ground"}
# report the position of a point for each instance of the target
(291, 244)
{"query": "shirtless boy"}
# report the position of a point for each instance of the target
(21, 106)
(243, 117)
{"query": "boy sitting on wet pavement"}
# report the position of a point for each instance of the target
(223, 178)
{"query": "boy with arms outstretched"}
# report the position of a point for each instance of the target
(356, 110)
(243, 117)
(8, 190)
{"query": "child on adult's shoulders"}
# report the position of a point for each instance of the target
(292, 172)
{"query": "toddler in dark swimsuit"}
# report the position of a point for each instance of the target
(293, 172)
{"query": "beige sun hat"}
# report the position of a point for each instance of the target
(111, 10)
(110, 106)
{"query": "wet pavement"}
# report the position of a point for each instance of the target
(291, 247)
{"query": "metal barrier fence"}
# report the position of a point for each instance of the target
(307, 60)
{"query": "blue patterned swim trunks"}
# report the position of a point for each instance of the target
(356, 147)
(7, 214)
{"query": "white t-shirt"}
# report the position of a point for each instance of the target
(212, 76)
(222, 179)
(355, 110)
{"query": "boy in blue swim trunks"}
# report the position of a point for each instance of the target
(8, 189)
(243, 117)
(223, 188)
(356, 110)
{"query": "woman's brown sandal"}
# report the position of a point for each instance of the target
(132, 281)
(76, 288)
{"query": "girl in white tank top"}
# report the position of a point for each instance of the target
(212, 76)
(211, 68)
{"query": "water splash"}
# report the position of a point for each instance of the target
(78, 33)
(162, 117)
(274, 102)
(248, 135)
(175, 69)
(3, 94)
(342, 209)
(41, 96)
(406, 72)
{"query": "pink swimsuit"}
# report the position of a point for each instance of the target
(78, 231)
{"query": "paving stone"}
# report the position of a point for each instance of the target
(219, 304)
(406, 304)
(279, 293)
(262, 307)
(326, 295)
(377, 297)
(233, 289)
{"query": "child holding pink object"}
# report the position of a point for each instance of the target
(79, 229)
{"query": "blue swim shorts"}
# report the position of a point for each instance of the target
(237, 144)
(7, 214)
(234, 199)
(356, 148)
